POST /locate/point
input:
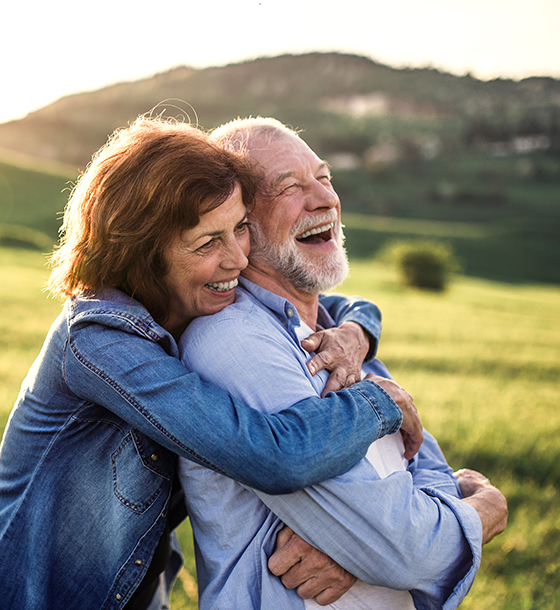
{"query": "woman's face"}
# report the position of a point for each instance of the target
(205, 262)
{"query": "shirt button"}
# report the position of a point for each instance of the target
(290, 312)
(138, 562)
(155, 457)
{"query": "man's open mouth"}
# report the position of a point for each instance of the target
(317, 235)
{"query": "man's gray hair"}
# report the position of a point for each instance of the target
(238, 135)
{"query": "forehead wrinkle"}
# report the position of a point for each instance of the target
(292, 173)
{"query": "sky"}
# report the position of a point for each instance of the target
(52, 49)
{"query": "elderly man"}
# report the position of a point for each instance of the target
(401, 527)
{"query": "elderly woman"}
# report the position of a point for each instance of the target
(155, 234)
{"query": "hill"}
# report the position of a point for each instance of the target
(32, 198)
(415, 145)
(332, 96)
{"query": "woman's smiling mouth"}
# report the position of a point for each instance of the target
(222, 286)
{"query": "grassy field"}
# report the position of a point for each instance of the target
(482, 361)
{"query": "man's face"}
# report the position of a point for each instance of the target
(296, 233)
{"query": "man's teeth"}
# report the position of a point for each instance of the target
(316, 231)
(222, 286)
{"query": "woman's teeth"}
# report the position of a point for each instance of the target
(316, 231)
(222, 286)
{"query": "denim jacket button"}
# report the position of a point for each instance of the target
(118, 596)
(155, 457)
(138, 562)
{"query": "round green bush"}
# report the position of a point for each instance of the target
(423, 264)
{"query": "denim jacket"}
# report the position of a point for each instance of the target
(88, 459)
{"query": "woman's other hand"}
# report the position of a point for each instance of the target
(342, 351)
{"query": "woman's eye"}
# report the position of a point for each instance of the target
(244, 226)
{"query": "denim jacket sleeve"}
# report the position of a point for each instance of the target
(355, 309)
(131, 367)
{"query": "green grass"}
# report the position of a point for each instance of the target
(516, 250)
(482, 361)
(26, 316)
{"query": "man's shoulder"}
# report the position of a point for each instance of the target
(244, 315)
(244, 307)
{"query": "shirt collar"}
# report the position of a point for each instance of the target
(324, 319)
(285, 310)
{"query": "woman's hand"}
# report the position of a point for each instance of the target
(301, 566)
(411, 427)
(341, 351)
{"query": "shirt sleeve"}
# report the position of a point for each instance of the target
(387, 531)
(142, 383)
(342, 308)
(430, 469)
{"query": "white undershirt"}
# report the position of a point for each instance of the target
(386, 455)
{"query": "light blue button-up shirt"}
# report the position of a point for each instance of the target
(409, 531)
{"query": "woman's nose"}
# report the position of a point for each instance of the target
(236, 257)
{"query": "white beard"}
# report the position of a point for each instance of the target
(308, 275)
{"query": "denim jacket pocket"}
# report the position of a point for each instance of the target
(141, 470)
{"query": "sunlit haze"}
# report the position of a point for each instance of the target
(53, 49)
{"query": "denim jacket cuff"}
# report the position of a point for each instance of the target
(385, 408)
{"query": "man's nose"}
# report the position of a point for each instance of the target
(321, 196)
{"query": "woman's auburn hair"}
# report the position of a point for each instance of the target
(150, 182)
